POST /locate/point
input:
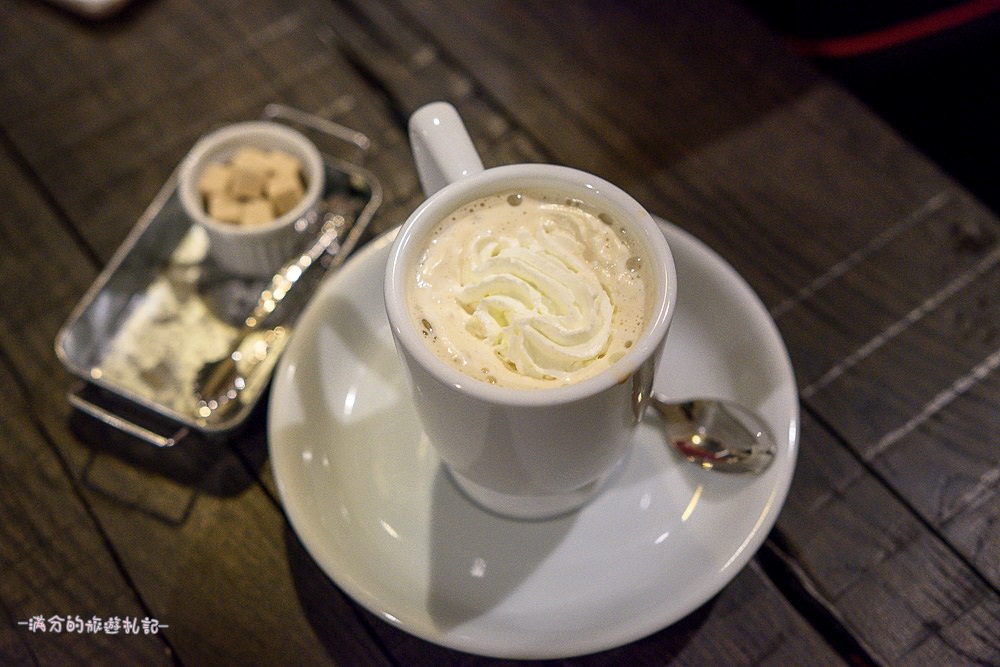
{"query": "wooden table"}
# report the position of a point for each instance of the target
(881, 273)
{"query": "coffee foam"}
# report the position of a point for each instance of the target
(524, 291)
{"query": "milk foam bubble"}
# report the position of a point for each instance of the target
(528, 292)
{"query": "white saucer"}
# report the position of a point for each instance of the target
(369, 499)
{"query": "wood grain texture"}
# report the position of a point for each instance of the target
(766, 149)
(880, 272)
(55, 559)
(897, 585)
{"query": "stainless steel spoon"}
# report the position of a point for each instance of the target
(219, 382)
(717, 434)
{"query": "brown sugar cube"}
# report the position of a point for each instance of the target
(225, 208)
(284, 191)
(214, 179)
(252, 159)
(283, 163)
(246, 184)
(257, 212)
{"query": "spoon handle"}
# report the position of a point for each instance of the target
(286, 277)
(219, 382)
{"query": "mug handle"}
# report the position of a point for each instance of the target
(442, 148)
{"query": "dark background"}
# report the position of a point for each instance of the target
(939, 91)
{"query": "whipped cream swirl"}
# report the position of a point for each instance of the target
(534, 301)
(521, 291)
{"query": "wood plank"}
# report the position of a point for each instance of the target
(918, 261)
(899, 378)
(125, 130)
(894, 382)
(709, 174)
(55, 559)
(56, 564)
(898, 585)
(912, 399)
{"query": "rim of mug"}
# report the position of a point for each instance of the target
(222, 143)
(566, 180)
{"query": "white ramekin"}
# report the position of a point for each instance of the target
(260, 250)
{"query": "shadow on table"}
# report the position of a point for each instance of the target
(165, 482)
(456, 596)
(329, 611)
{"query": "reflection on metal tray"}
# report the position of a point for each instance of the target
(162, 309)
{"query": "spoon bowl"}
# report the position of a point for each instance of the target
(716, 434)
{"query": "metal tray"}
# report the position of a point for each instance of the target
(161, 309)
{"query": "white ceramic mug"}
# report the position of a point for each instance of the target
(523, 453)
